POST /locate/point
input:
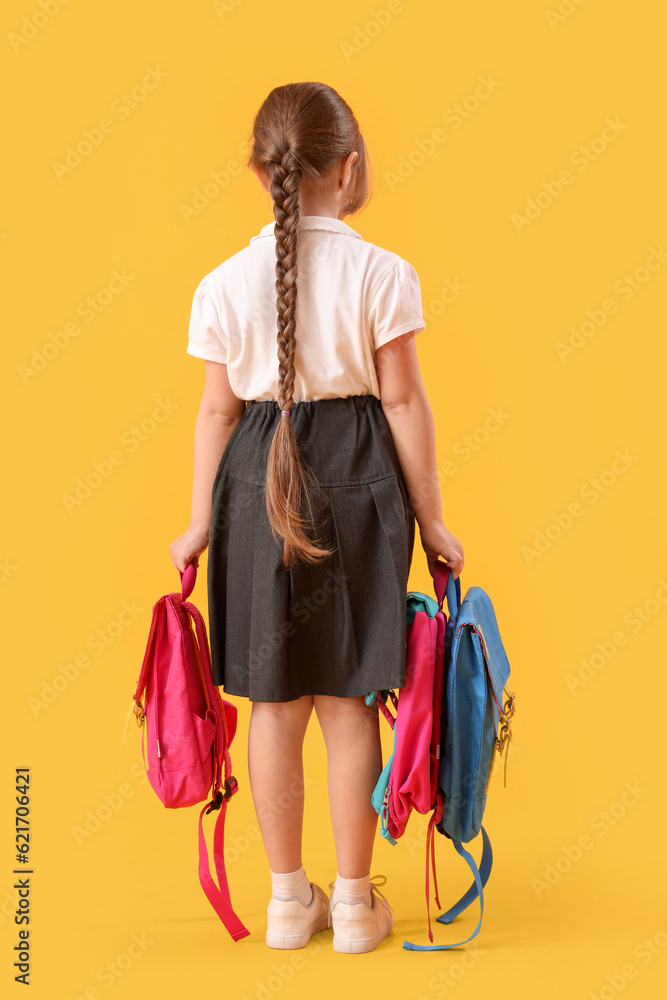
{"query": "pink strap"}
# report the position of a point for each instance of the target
(188, 578)
(429, 835)
(436, 816)
(218, 897)
(221, 750)
(157, 612)
(440, 576)
(387, 714)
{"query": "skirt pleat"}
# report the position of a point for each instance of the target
(336, 627)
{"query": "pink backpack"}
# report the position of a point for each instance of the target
(409, 779)
(189, 729)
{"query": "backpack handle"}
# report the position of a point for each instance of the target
(445, 584)
(188, 578)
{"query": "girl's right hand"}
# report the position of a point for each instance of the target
(188, 546)
(438, 541)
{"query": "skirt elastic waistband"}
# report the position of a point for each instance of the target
(328, 402)
(344, 439)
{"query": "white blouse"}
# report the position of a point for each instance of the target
(353, 297)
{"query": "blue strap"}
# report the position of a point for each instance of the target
(476, 890)
(377, 798)
(486, 861)
(387, 836)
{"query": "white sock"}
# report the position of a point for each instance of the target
(354, 888)
(287, 885)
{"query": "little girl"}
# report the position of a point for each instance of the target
(308, 477)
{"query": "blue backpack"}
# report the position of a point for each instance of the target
(475, 722)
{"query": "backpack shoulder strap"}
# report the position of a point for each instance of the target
(485, 865)
(481, 876)
(149, 653)
(219, 897)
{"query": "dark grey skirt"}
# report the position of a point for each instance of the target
(336, 627)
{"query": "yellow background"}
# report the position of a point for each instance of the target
(67, 574)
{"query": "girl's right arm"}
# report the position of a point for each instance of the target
(219, 413)
(407, 409)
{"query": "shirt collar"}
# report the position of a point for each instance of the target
(313, 222)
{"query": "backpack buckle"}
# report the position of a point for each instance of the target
(231, 787)
(215, 803)
(505, 731)
(139, 712)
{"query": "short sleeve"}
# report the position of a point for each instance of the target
(396, 306)
(206, 339)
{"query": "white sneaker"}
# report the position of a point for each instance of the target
(290, 922)
(357, 926)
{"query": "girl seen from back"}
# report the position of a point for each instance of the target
(314, 456)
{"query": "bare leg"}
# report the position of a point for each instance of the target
(354, 758)
(275, 763)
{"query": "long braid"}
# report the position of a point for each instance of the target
(301, 131)
(285, 193)
(287, 474)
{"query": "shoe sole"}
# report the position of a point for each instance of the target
(350, 946)
(295, 940)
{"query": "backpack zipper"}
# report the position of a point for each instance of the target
(505, 712)
(385, 807)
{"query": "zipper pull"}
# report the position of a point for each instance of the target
(384, 811)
